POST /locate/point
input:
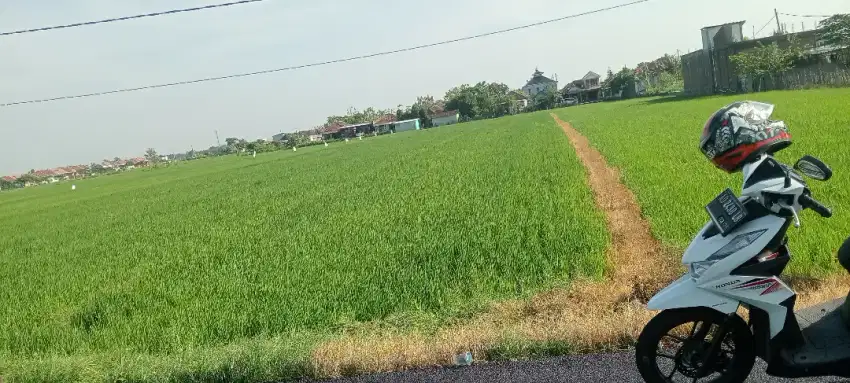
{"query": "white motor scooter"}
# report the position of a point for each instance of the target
(735, 262)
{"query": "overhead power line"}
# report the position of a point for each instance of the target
(765, 25)
(361, 57)
(818, 16)
(112, 20)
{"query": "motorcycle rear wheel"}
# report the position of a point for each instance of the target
(733, 366)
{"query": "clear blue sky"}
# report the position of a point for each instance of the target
(279, 33)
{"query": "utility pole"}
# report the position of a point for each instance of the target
(216, 138)
(776, 13)
(754, 32)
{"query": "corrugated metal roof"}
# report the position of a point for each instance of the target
(445, 113)
(403, 121)
(385, 119)
(826, 49)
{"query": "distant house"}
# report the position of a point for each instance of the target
(46, 175)
(51, 175)
(314, 135)
(384, 124)
(354, 130)
(11, 182)
(405, 125)
(284, 137)
(591, 80)
(331, 131)
(585, 89)
(385, 119)
(445, 118)
(138, 162)
(519, 101)
(339, 130)
(63, 173)
(538, 84)
(389, 123)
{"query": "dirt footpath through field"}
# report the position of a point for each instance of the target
(632, 238)
(589, 316)
(639, 266)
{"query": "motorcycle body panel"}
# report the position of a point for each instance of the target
(684, 293)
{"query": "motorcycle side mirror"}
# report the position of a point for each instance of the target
(813, 168)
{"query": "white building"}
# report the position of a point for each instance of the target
(538, 84)
(398, 126)
(445, 118)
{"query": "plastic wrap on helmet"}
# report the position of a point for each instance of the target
(740, 123)
(752, 111)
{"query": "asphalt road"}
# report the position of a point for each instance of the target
(619, 367)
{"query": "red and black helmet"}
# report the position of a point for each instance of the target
(740, 132)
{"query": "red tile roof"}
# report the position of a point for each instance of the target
(44, 173)
(385, 119)
(332, 127)
(10, 178)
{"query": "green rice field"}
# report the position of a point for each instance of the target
(184, 272)
(655, 144)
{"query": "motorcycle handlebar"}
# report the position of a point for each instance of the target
(808, 202)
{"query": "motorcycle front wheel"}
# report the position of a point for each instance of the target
(675, 346)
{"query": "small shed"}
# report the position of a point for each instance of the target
(405, 125)
(445, 118)
(384, 124)
(399, 126)
(337, 130)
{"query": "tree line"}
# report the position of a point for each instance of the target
(767, 61)
(482, 100)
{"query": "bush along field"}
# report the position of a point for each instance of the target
(655, 144)
(236, 267)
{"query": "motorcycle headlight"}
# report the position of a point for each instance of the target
(736, 244)
(739, 242)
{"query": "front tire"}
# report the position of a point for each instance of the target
(732, 366)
